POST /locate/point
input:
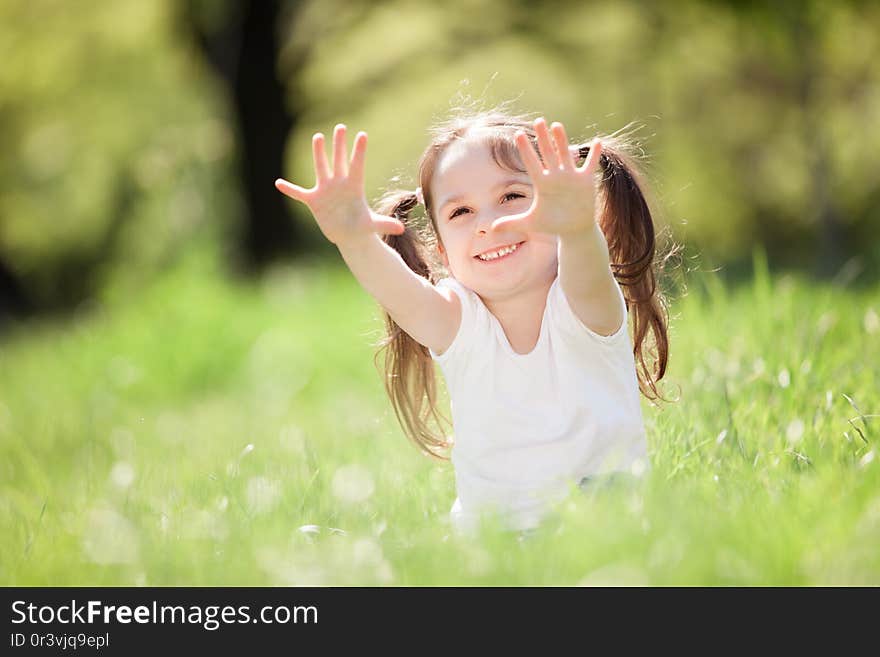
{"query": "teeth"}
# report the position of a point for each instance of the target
(499, 252)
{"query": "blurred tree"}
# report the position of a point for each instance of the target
(242, 41)
(239, 40)
(110, 152)
(13, 299)
(118, 153)
(795, 66)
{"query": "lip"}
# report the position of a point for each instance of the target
(504, 257)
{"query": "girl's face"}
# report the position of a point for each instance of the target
(469, 192)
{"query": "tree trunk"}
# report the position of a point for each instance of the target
(244, 52)
(14, 302)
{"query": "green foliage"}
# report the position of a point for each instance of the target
(759, 126)
(215, 434)
(115, 147)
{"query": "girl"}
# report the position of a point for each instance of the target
(529, 324)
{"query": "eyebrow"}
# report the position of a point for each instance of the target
(504, 183)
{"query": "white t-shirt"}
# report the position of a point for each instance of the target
(528, 425)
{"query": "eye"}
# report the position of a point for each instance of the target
(455, 212)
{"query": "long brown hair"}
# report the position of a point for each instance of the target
(625, 219)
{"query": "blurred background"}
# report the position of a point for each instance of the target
(132, 133)
(187, 386)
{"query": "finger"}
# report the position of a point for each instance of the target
(529, 157)
(340, 160)
(561, 141)
(388, 226)
(319, 155)
(548, 152)
(592, 157)
(511, 222)
(356, 168)
(291, 190)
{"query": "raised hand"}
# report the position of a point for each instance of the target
(337, 200)
(564, 194)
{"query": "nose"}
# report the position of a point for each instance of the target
(484, 223)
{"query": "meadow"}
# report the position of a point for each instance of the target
(214, 433)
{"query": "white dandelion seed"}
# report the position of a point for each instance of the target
(784, 378)
(795, 430)
(758, 367)
(122, 474)
(826, 323)
(262, 494)
(366, 551)
(309, 532)
(353, 483)
(110, 538)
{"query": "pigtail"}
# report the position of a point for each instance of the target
(626, 221)
(410, 379)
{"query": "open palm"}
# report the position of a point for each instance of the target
(564, 194)
(337, 200)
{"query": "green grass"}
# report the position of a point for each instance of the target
(125, 458)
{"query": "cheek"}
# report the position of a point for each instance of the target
(545, 253)
(456, 248)
(545, 245)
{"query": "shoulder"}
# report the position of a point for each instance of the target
(452, 284)
(571, 324)
(464, 305)
(455, 291)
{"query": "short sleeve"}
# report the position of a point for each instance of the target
(570, 324)
(463, 337)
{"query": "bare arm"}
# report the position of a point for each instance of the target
(587, 281)
(564, 204)
(429, 315)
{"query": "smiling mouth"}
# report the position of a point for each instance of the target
(509, 252)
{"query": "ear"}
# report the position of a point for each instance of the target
(442, 253)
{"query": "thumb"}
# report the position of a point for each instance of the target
(511, 222)
(291, 190)
(387, 225)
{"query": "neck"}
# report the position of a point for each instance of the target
(520, 314)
